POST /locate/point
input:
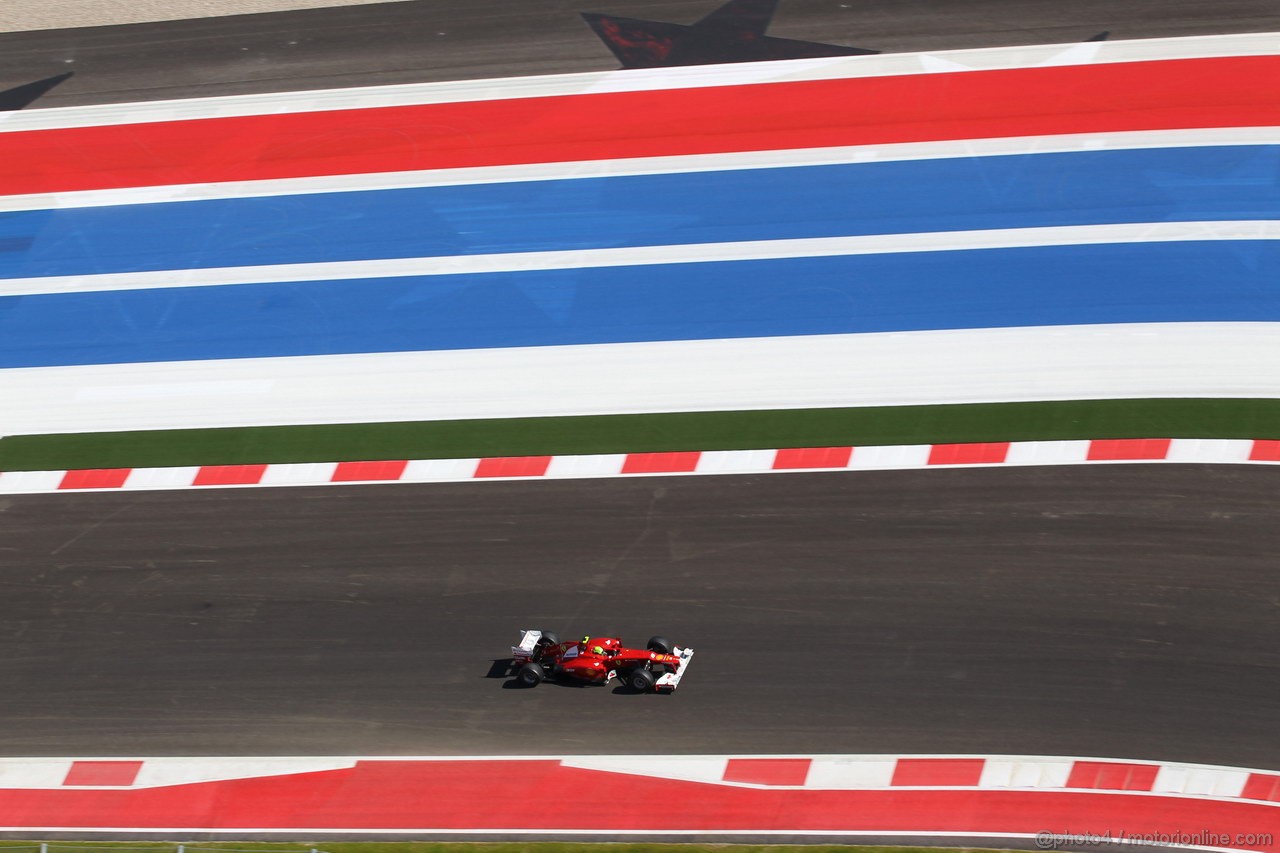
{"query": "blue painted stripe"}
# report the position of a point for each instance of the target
(1149, 185)
(1124, 283)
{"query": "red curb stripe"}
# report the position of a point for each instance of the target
(681, 462)
(1112, 776)
(513, 466)
(1265, 450)
(767, 771)
(812, 457)
(1262, 786)
(1112, 449)
(229, 475)
(949, 772)
(95, 478)
(968, 454)
(1113, 97)
(377, 470)
(113, 773)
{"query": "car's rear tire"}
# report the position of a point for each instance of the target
(552, 638)
(661, 645)
(641, 680)
(531, 674)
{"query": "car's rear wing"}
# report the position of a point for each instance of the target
(528, 642)
(671, 680)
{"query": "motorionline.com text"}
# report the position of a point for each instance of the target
(1047, 840)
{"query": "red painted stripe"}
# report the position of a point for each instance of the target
(1265, 450)
(1110, 449)
(95, 478)
(938, 771)
(966, 105)
(767, 771)
(812, 457)
(968, 454)
(1112, 776)
(513, 466)
(229, 475)
(388, 469)
(1262, 786)
(462, 795)
(681, 462)
(114, 773)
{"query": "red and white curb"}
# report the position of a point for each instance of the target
(845, 458)
(1200, 806)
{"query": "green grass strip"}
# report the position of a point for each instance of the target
(1077, 419)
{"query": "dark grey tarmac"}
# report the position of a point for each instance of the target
(1123, 611)
(426, 40)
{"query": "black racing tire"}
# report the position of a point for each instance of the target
(661, 645)
(549, 638)
(531, 674)
(641, 680)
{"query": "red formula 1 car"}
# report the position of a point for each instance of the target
(596, 660)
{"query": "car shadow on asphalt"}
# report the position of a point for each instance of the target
(506, 668)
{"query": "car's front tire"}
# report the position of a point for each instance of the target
(661, 645)
(641, 680)
(531, 674)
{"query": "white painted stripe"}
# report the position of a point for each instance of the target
(736, 74)
(753, 250)
(29, 482)
(1213, 782)
(1047, 452)
(439, 470)
(157, 772)
(708, 769)
(161, 478)
(299, 474)
(847, 773)
(736, 461)
(898, 456)
(594, 465)
(1209, 450)
(679, 164)
(33, 772)
(1027, 773)
(1211, 360)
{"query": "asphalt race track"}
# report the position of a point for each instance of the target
(460, 39)
(1122, 611)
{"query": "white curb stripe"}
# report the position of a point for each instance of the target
(688, 253)
(677, 164)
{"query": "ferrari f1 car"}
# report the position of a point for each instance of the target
(597, 660)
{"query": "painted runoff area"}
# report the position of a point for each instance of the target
(1025, 797)
(824, 273)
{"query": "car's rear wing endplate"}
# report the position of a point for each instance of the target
(671, 680)
(528, 642)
